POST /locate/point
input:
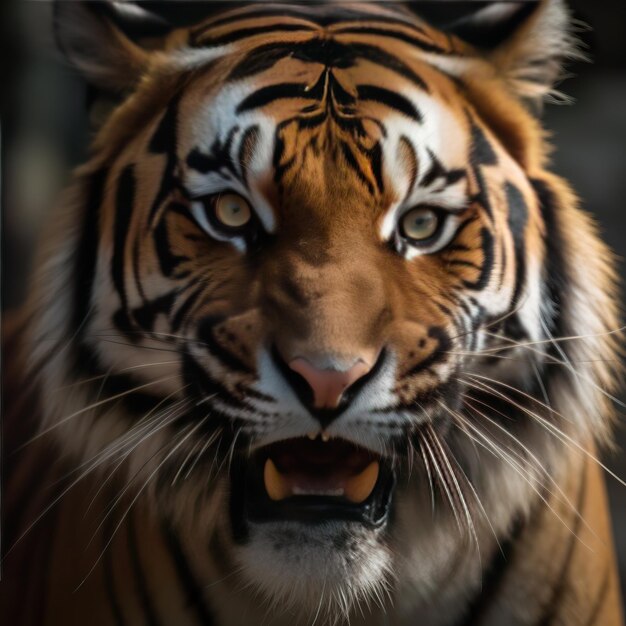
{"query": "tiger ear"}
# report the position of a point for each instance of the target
(90, 36)
(527, 42)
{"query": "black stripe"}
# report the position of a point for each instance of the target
(454, 176)
(124, 203)
(377, 55)
(45, 564)
(557, 265)
(137, 268)
(390, 99)
(435, 171)
(481, 152)
(146, 314)
(551, 609)
(492, 579)
(164, 141)
(187, 578)
(243, 33)
(168, 261)
(354, 165)
(185, 307)
(517, 219)
(204, 385)
(438, 354)
(260, 59)
(267, 95)
(487, 266)
(481, 197)
(376, 160)
(219, 156)
(141, 585)
(217, 350)
(87, 250)
(461, 228)
(462, 263)
(109, 580)
(598, 603)
(394, 34)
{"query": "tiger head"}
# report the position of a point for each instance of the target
(314, 276)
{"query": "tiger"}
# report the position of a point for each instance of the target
(315, 335)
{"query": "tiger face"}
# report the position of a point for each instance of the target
(315, 245)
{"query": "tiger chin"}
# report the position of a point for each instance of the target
(315, 335)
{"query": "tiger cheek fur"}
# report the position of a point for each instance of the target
(321, 307)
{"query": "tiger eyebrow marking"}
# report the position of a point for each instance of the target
(244, 33)
(390, 99)
(266, 95)
(424, 45)
(219, 157)
(437, 170)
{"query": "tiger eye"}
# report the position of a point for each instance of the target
(232, 210)
(419, 224)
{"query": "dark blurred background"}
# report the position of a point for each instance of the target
(45, 133)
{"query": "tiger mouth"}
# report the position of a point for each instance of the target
(313, 480)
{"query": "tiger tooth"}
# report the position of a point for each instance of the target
(276, 486)
(325, 437)
(312, 435)
(358, 488)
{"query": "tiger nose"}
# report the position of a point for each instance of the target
(328, 385)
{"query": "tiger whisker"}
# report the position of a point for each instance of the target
(207, 443)
(94, 405)
(470, 485)
(557, 432)
(497, 321)
(542, 387)
(134, 500)
(560, 495)
(135, 346)
(567, 363)
(190, 453)
(101, 376)
(232, 449)
(575, 372)
(519, 469)
(172, 417)
(452, 474)
(429, 475)
(549, 358)
(152, 335)
(520, 392)
(123, 439)
(47, 509)
(443, 482)
(134, 443)
(556, 340)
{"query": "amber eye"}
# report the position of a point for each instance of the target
(419, 224)
(232, 211)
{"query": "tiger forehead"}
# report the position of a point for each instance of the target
(303, 110)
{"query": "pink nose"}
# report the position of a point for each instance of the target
(328, 385)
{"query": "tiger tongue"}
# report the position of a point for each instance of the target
(355, 488)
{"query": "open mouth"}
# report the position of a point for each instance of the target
(313, 480)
